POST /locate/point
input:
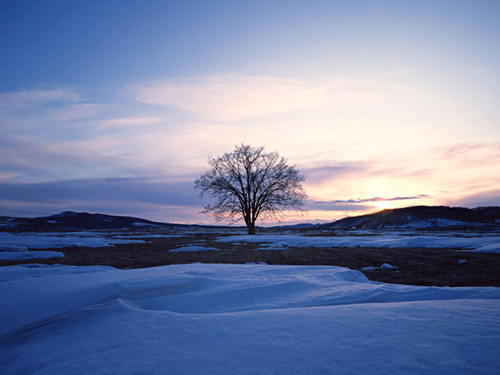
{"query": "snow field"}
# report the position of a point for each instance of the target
(15, 246)
(245, 319)
(193, 248)
(23, 255)
(278, 242)
(32, 240)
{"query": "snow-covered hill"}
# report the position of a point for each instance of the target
(419, 217)
(422, 217)
(70, 220)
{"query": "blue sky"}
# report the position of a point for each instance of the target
(114, 106)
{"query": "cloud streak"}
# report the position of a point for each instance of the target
(22, 99)
(79, 111)
(336, 170)
(481, 198)
(326, 206)
(374, 199)
(356, 205)
(132, 121)
(239, 97)
(144, 189)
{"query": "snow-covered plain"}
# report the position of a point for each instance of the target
(471, 242)
(20, 254)
(15, 246)
(245, 319)
(34, 240)
(240, 319)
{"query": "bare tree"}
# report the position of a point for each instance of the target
(249, 183)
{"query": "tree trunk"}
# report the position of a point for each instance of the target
(251, 228)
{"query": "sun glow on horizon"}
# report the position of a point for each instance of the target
(383, 205)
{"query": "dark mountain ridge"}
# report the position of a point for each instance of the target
(416, 217)
(74, 221)
(422, 217)
(69, 220)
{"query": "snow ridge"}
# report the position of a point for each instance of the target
(226, 319)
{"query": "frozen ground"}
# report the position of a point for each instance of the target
(24, 254)
(239, 319)
(193, 248)
(477, 242)
(15, 246)
(33, 240)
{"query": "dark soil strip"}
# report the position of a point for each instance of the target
(417, 266)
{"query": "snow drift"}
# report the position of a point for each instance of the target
(245, 319)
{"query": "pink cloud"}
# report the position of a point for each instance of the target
(237, 97)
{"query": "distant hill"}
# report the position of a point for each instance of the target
(418, 217)
(70, 220)
(425, 217)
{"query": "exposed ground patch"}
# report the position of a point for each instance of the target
(418, 266)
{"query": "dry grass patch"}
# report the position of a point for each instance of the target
(418, 266)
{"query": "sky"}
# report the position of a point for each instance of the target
(115, 106)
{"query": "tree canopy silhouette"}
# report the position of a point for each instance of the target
(248, 184)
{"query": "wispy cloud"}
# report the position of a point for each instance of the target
(26, 159)
(78, 111)
(237, 97)
(338, 169)
(35, 111)
(356, 205)
(348, 207)
(477, 199)
(141, 189)
(132, 121)
(374, 199)
(29, 160)
(21, 99)
(473, 154)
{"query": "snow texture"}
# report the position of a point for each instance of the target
(240, 319)
(475, 243)
(387, 266)
(148, 235)
(58, 240)
(384, 266)
(15, 246)
(23, 255)
(139, 224)
(193, 248)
